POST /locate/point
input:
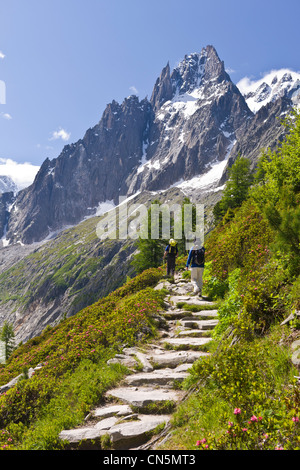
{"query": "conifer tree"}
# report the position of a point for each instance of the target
(7, 336)
(236, 189)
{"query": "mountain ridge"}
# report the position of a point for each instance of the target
(196, 118)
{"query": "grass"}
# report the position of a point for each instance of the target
(79, 391)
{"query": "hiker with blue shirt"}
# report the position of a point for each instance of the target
(171, 252)
(196, 259)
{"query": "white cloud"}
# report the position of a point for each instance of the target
(134, 90)
(6, 116)
(22, 174)
(2, 55)
(245, 84)
(229, 70)
(60, 134)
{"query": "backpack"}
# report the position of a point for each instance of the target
(199, 257)
(172, 250)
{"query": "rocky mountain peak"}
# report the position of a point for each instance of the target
(273, 86)
(196, 69)
(162, 90)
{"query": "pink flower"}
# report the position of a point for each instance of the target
(237, 411)
(295, 419)
(201, 442)
(253, 418)
(244, 429)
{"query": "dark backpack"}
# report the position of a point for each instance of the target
(199, 257)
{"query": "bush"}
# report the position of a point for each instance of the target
(214, 287)
(254, 400)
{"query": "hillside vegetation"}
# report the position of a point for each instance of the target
(75, 373)
(244, 395)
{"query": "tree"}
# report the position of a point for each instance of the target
(150, 251)
(237, 188)
(277, 192)
(7, 336)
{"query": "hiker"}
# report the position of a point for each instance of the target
(171, 252)
(196, 259)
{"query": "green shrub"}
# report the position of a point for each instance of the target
(245, 397)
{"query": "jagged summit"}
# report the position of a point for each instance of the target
(276, 84)
(195, 70)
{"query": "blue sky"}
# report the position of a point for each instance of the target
(63, 61)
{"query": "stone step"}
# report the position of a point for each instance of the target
(111, 410)
(199, 324)
(174, 314)
(192, 333)
(123, 435)
(86, 436)
(187, 343)
(191, 300)
(157, 377)
(202, 314)
(134, 433)
(172, 359)
(142, 397)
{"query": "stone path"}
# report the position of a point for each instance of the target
(142, 405)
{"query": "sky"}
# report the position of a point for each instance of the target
(63, 61)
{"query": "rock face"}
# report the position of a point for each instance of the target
(6, 199)
(196, 121)
(93, 170)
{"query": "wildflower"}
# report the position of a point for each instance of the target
(230, 423)
(253, 419)
(202, 441)
(237, 411)
(244, 429)
(295, 419)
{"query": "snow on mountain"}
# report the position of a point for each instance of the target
(21, 175)
(7, 184)
(273, 85)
